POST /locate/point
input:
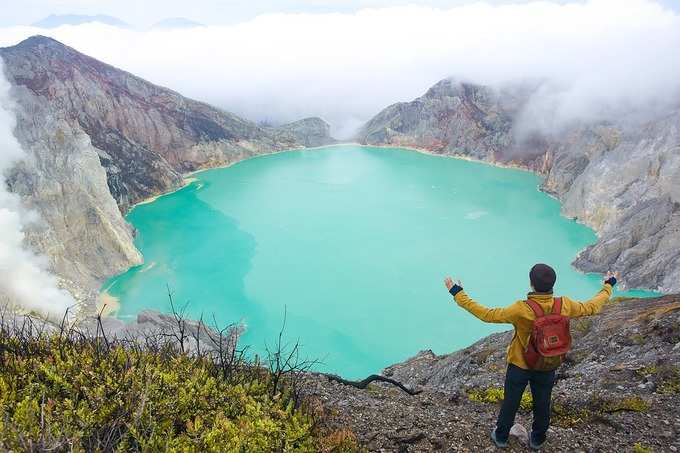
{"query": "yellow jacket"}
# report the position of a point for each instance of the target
(522, 317)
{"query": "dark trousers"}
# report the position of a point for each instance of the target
(541, 384)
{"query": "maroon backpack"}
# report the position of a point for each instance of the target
(550, 338)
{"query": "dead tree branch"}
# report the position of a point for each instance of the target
(363, 384)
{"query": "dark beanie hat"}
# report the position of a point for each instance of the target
(542, 277)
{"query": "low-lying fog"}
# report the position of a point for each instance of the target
(600, 56)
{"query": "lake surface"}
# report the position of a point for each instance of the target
(353, 243)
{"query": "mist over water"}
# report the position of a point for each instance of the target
(354, 244)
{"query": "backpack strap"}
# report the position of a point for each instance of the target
(557, 306)
(538, 311)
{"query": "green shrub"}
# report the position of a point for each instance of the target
(69, 393)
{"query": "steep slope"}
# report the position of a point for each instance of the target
(310, 132)
(99, 140)
(449, 118)
(620, 386)
(617, 178)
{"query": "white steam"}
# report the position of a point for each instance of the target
(600, 56)
(24, 278)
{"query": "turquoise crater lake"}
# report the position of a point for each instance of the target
(353, 243)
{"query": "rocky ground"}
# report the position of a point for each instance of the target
(619, 390)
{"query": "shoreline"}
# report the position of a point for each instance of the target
(189, 178)
(428, 152)
(107, 305)
(186, 181)
(256, 156)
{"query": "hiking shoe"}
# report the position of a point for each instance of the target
(497, 442)
(535, 446)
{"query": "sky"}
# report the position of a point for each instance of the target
(210, 12)
(215, 12)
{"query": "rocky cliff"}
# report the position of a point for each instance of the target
(618, 177)
(310, 132)
(99, 139)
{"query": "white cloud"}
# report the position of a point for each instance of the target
(598, 55)
(25, 279)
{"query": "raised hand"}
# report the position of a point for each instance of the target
(611, 274)
(448, 282)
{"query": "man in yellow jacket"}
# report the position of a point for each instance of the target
(542, 278)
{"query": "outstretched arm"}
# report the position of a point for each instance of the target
(594, 305)
(486, 314)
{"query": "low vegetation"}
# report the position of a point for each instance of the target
(565, 415)
(68, 391)
(496, 394)
(639, 448)
(582, 325)
(665, 377)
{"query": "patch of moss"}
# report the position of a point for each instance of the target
(638, 448)
(583, 325)
(667, 378)
(373, 389)
(647, 371)
(637, 338)
(629, 404)
(670, 381)
(566, 416)
(482, 356)
(496, 395)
